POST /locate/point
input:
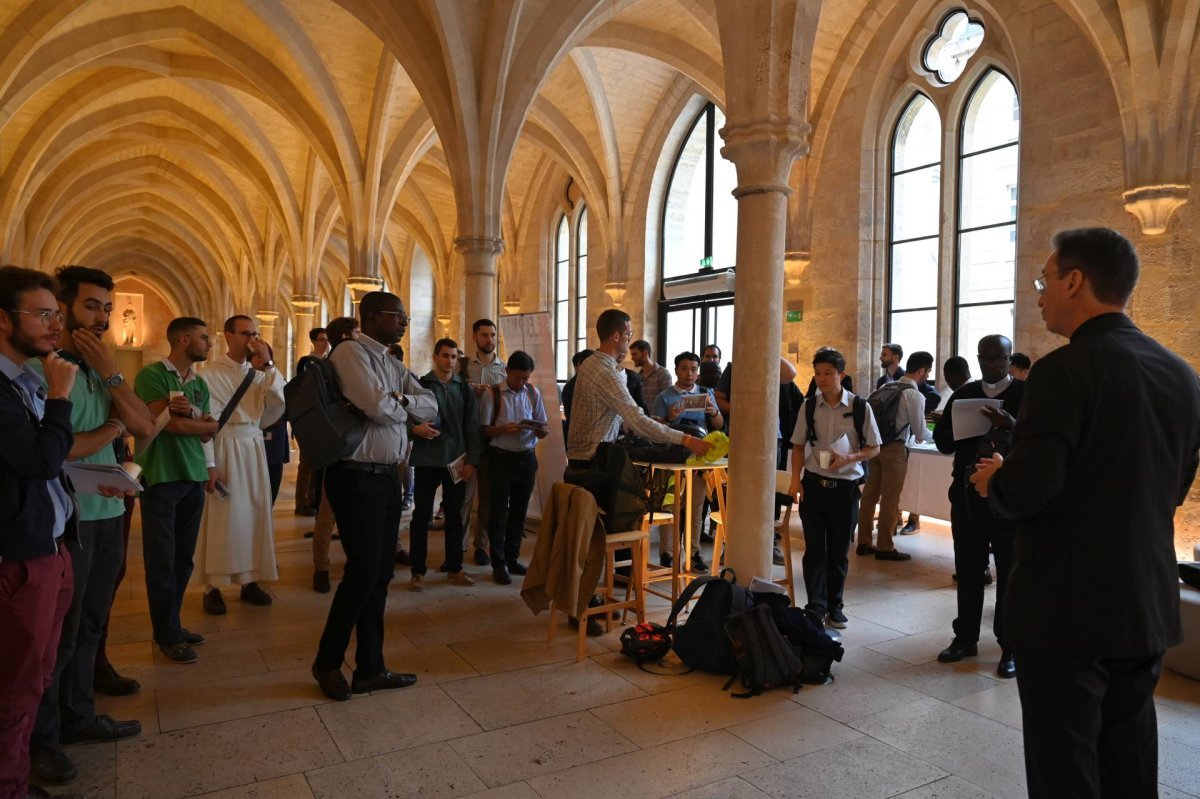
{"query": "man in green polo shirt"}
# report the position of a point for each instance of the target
(176, 467)
(103, 408)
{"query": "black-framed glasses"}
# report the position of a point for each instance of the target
(248, 333)
(45, 315)
(401, 316)
(1039, 283)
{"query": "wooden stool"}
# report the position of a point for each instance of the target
(634, 600)
(716, 480)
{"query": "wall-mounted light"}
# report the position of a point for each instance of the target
(794, 264)
(616, 292)
(443, 319)
(511, 305)
(364, 283)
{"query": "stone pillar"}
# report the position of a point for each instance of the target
(360, 285)
(304, 311)
(479, 259)
(266, 327)
(766, 47)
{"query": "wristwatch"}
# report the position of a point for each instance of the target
(114, 380)
(268, 365)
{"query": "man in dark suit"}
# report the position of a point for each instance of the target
(1106, 446)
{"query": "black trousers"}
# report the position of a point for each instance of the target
(275, 472)
(367, 509)
(428, 479)
(171, 515)
(96, 558)
(1090, 726)
(511, 481)
(829, 514)
(976, 533)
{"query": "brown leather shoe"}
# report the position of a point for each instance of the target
(254, 595)
(461, 577)
(214, 603)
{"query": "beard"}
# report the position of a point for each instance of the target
(486, 349)
(71, 324)
(29, 346)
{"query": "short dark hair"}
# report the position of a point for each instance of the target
(917, 361)
(896, 349)
(830, 356)
(444, 342)
(710, 374)
(183, 325)
(581, 356)
(481, 323)
(611, 321)
(1106, 258)
(708, 347)
(687, 356)
(374, 301)
(69, 278)
(16, 280)
(1020, 360)
(956, 365)
(641, 345)
(339, 329)
(520, 361)
(232, 321)
(315, 333)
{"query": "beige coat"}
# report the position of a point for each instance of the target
(569, 557)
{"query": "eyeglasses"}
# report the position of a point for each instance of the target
(46, 316)
(401, 316)
(248, 333)
(1039, 283)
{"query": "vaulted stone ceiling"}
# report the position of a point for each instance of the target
(239, 152)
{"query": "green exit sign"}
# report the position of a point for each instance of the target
(706, 263)
(795, 316)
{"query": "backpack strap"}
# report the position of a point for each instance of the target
(859, 411)
(686, 596)
(810, 417)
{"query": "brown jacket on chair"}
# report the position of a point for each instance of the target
(569, 558)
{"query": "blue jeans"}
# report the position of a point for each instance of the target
(170, 526)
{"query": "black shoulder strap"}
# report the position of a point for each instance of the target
(686, 596)
(860, 419)
(810, 417)
(227, 412)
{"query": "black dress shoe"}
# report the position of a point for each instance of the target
(909, 528)
(864, 549)
(1007, 667)
(517, 567)
(190, 638)
(481, 557)
(321, 582)
(254, 595)
(52, 766)
(383, 682)
(594, 628)
(500, 575)
(179, 653)
(957, 651)
(102, 728)
(214, 603)
(333, 683)
(892, 554)
(107, 681)
(402, 558)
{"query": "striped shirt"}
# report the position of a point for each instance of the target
(601, 402)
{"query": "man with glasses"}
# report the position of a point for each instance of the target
(1107, 446)
(975, 528)
(176, 467)
(237, 538)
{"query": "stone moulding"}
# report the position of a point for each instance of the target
(1153, 206)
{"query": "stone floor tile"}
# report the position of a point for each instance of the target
(911, 614)
(503, 653)
(453, 633)
(660, 718)
(855, 694)
(980, 750)
(1177, 766)
(517, 790)
(217, 756)
(862, 769)
(1167, 792)
(253, 638)
(672, 678)
(866, 659)
(916, 649)
(97, 764)
(530, 750)
(793, 733)
(514, 697)
(1185, 731)
(289, 656)
(209, 667)
(236, 698)
(947, 788)
(658, 771)
(431, 772)
(942, 681)
(732, 788)
(1001, 703)
(861, 632)
(293, 786)
(431, 664)
(391, 720)
(1178, 691)
(142, 706)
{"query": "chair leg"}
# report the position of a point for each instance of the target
(639, 576)
(553, 626)
(718, 545)
(582, 637)
(787, 557)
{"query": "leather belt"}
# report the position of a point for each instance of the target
(373, 468)
(524, 453)
(826, 482)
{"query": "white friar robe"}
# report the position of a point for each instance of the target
(237, 537)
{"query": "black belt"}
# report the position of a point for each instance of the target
(524, 453)
(827, 482)
(373, 468)
(578, 463)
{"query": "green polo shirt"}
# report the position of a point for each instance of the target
(91, 406)
(172, 458)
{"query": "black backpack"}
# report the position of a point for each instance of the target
(763, 658)
(326, 426)
(701, 641)
(885, 404)
(617, 485)
(805, 632)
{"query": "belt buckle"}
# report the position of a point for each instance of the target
(825, 483)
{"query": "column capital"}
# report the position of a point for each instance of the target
(364, 283)
(483, 245)
(1153, 206)
(763, 152)
(267, 317)
(305, 303)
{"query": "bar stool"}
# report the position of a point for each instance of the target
(716, 480)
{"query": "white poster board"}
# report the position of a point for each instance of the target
(532, 333)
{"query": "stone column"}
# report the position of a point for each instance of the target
(305, 310)
(360, 285)
(766, 46)
(266, 327)
(479, 259)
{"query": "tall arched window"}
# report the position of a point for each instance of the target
(974, 247)
(570, 292)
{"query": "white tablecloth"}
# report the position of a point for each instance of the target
(927, 482)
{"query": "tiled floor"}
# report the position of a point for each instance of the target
(500, 714)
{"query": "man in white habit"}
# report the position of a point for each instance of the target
(237, 538)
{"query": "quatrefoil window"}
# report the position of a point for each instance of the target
(947, 52)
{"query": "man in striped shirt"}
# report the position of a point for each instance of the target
(602, 399)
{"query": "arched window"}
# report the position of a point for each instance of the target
(570, 291)
(972, 246)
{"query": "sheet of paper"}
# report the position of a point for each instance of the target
(841, 446)
(456, 468)
(87, 478)
(693, 402)
(532, 424)
(968, 421)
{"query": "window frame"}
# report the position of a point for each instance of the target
(577, 328)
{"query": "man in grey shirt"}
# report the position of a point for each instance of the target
(655, 377)
(365, 496)
(483, 372)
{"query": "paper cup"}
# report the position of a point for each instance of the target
(174, 394)
(823, 458)
(132, 469)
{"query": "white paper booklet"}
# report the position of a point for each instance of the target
(87, 478)
(456, 467)
(967, 419)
